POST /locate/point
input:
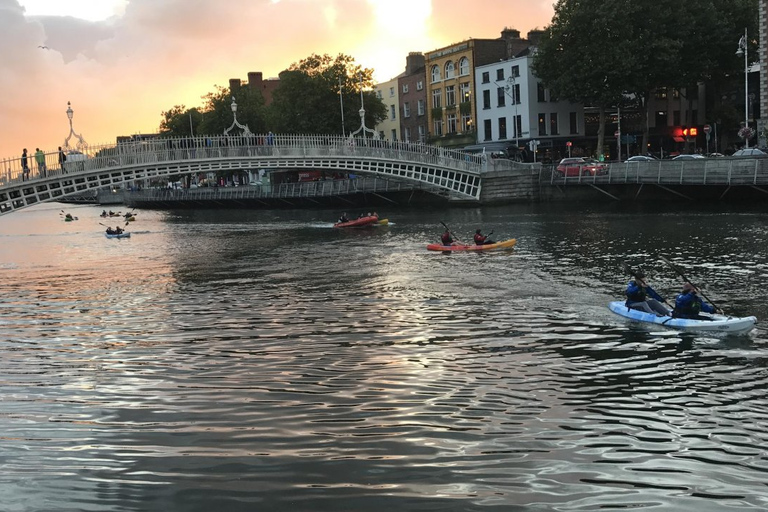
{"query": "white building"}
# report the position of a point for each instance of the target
(513, 106)
(388, 93)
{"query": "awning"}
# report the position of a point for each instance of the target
(678, 139)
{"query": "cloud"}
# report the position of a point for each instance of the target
(122, 72)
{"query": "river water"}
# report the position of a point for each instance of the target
(262, 360)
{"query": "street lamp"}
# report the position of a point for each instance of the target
(246, 130)
(80, 142)
(511, 85)
(743, 50)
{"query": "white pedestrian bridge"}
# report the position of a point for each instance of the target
(455, 174)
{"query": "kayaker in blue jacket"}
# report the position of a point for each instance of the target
(642, 297)
(688, 304)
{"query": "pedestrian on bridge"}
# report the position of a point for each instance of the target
(40, 158)
(24, 166)
(62, 160)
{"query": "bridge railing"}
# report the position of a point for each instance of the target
(151, 151)
(710, 171)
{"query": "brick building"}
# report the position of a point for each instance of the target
(256, 81)
(413, 99)
(762, 123)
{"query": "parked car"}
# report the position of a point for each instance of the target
(749, 152)
(693, 156)
(640, 158)
(580, 166)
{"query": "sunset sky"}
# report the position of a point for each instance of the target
(122, 62)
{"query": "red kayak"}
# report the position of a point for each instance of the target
(362, 221)
(505, 244)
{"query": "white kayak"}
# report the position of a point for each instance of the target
(717, 324)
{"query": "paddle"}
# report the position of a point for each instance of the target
(680, 272)
(455, 238)
(629, 270)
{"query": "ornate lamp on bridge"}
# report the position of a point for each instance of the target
(363, 129)
(81, 144)
(246, 130)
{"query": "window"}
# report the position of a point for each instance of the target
(553, 124)
(381, 135)
(435, 74)
(516, 94)
(466, 122)
(518, 126)
(407, 134)
(500, 95)
(502, 128)
(438, 125)
(692, 93)
(676, 94)
(486, 100)
(394, 134)
(406, 109)
(451, 123)
(661, 118)
(392, 112)
(420, 108)
(449, 71)
(542, 124)
(675, 117)
(486, 77)
(574, 123)
(463, 66)
(661, 94)
(378, 94)
(487, 131)
(437, 97)
(694, 117)
(422, 133)
(464, 92)
(500, 75)
(391, 92)
(405, 88)
(419, 85)
(515, 71)
(450, 95)
(552, 96)
(540, 93)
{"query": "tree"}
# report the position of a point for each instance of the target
(218, 114)
(579, 56)
(180, 122)
(307, 98)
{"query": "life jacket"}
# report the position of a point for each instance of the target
(446, 238)
(690, 307)
(637, 294)
(479, 239)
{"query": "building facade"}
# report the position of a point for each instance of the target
(413, 99)
(450, 85)
(387, 92)
(513, 107)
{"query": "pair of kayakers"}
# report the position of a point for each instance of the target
(115, 231)
(447, 238)
(688, 304)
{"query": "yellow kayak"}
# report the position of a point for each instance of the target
(505, 244)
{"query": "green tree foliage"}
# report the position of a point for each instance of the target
(307, 98)
(606, 53)
(180, 121)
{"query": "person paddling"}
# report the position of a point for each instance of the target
(638, 293)
(481, 239)
(688, 304)
(447, 238)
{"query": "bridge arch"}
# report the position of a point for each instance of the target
(449, 172)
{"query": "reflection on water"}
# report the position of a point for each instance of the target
(262, 360)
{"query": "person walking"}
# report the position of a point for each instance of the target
(40, 158)
(24, 165)
(62, 160)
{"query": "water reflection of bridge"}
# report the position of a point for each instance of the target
(454, 174)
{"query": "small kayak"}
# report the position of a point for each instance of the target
(121, 235)
(505, 244)
(718, 323)
(383, 222)
(357, 223)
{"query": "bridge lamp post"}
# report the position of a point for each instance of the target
(80, 141)
(511, 86)
(743, 51)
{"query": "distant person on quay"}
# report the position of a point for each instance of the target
(62, 160)
(24, 166)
